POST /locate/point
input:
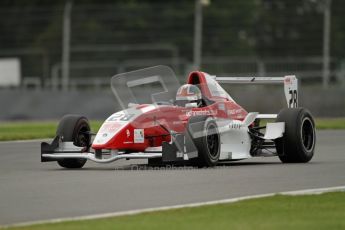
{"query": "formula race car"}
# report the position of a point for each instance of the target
(196, 123)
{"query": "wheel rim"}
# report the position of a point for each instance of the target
(308, 134)
(212, 140)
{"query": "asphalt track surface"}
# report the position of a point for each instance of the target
(31, 191)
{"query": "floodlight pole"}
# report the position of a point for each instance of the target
(197, 52)
(326, 43)
(66, 37)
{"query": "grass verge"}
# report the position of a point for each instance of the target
(46, 129)
(326, 211)
(330, 123)
(33, 130)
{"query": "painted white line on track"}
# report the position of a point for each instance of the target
(191, 205)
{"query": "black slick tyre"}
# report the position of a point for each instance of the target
(298, 142)
(205, 135)
(74, 128)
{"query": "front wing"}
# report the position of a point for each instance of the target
(178, 150)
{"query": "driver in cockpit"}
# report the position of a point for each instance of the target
(187, 94)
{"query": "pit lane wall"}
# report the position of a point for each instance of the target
(19, 104)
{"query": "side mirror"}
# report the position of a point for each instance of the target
(191, 105)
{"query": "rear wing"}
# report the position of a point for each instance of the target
(290, 85)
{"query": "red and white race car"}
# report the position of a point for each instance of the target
(197, 122)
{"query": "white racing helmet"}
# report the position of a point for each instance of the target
(189, 93)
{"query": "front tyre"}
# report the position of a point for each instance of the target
(74, 128)
(206, 138)
(298, 142)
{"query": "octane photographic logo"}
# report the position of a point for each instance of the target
(170, 167)
(139, 92)
(143, 90)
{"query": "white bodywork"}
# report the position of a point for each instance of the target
(236, 141)
(274, 130)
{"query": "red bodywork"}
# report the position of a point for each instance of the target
(172, 117)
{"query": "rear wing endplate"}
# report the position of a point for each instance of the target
(290, 85)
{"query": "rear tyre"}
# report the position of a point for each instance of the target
(74, 128)
(206, 138)
(298, 142)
